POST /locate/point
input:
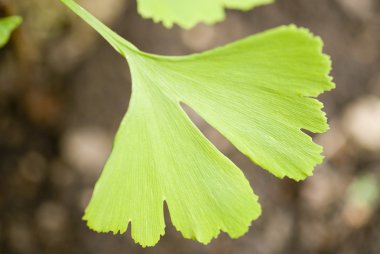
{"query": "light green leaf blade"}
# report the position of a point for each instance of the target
(7, 25)
(245, 4)
(188, 13)
(258, 92)
(159, 155)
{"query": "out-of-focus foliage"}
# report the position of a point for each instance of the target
(258, 92)
(364, 190)
(7, 25)
(188, 13)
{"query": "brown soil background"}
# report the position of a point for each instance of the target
(63, 92)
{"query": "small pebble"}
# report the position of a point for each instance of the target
(361, 122)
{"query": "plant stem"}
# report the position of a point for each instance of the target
(121, 45)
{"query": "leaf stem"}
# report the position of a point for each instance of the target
(120, 44)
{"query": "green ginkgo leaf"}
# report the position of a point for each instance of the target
(7, 25)
(258, 92)
(188, 13)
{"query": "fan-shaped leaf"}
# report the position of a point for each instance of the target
(188, 13)
(258, 92)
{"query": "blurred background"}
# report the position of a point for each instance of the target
(63, 92)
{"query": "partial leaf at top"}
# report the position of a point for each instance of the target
(188, 13)
(7, 25)
(259, 92)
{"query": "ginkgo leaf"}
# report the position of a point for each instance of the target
(188, 13)
(258, 92)
(7, 25)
